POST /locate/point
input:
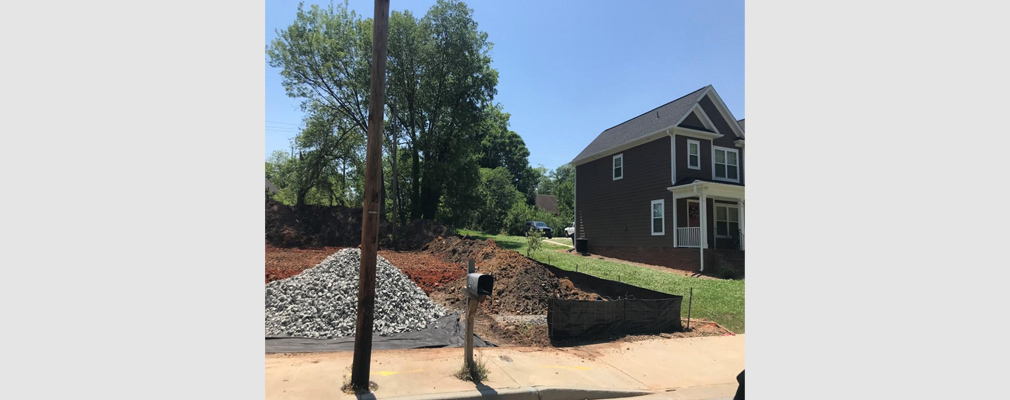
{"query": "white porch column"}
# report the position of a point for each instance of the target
(674, 219)
(704, 230)
(739, 205)
(704, 220)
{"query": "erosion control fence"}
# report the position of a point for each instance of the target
(626, 310)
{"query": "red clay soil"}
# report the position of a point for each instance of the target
(286, 262)
(428, 271)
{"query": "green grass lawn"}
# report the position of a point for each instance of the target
(721, 301)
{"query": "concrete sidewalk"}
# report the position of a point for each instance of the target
(686, 368)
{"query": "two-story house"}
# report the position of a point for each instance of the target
(666, 187)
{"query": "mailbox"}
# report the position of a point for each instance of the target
(479, 285)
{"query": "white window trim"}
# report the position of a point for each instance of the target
(613, 169)
(739, 165)
(689, 141)
(717, 220)
(662, 217)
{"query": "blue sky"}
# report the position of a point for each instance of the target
(569, 70)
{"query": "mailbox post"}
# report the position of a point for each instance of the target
(478, 287)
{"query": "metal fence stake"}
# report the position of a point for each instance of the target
(689, 301)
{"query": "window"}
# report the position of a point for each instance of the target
(726, 164)
(618, 166)
(658, 223)
(727, 221)
(693, 154)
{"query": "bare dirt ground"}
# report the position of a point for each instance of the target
(513, 316)
(287, 262)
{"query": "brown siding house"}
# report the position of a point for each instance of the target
(666, 187)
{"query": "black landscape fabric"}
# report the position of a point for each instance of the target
(629, 310)
(580, 319)
(447, 331)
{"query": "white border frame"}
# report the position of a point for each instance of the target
(739, 165)
(689, 141)
(613, 169)
(662, 217)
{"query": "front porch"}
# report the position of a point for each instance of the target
(708, 215)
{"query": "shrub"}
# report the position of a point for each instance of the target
(726, 272)
(534, 239)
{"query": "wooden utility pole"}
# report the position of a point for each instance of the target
(370, 210)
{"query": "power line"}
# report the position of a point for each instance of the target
(285, 123)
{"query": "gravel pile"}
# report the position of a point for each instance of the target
(322, 301)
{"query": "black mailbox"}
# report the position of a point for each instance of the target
(479, 284)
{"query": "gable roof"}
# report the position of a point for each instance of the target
(547, 203)
(270, 187)
(642, 125)
(740, 122)
(662, 117)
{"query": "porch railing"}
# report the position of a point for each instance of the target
(689, 237)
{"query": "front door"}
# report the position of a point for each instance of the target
(693, 214)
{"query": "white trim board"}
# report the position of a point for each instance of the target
(721, 107)
(662, 217)
(613, 169)
(689, 142)
(739, 168)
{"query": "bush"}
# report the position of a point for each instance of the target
(726, 272)
(534, 238)
(515, 220)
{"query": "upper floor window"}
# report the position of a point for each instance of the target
(618, 166)
(693, 154)
(726, 164)
(658, 223)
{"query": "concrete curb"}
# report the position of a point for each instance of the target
(529, 393)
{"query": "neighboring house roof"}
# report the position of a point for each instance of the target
(271, 188)
(740, 122)
(657, 119)
(547, 203)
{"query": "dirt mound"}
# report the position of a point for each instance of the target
(320, 226)
(522, 286)
(458, 250)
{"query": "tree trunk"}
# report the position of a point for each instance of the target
(396, 194)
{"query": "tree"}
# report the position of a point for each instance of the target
(456, 83)
(500, 147)
(498, 195)
(440, 86)
(325, 59)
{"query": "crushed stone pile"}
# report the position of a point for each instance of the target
(321, 302)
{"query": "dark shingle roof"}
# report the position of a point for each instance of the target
(658, 118)
(740, 122)
(547, 203)
(270, 187)
(688, 181)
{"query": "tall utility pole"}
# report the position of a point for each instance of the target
(370, 210)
